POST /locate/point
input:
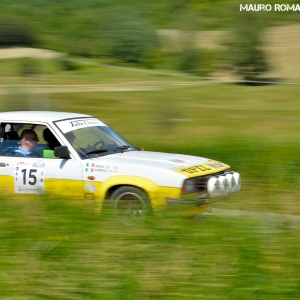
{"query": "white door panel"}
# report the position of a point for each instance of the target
(29, 174)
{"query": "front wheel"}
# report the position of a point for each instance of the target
(130, 204)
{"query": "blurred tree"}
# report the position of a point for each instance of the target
(16, 32)
(244, 46)
(129, 36)
(199, 62)
(193, 58)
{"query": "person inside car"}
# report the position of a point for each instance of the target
(28, 143)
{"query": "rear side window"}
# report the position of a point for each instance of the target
(36, 138)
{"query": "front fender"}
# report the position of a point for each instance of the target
(146, 184)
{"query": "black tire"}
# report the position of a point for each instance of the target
(130, 204)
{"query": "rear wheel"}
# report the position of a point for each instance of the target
(131, 204)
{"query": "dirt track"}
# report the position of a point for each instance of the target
(9, 53)
(271, 219)
(124, 87)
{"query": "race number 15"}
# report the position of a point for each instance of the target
(29, 176)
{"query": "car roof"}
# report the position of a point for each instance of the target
(38, 116)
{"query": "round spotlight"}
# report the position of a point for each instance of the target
(237, 179)
(231, 183)
(222, 180)
(212, 187)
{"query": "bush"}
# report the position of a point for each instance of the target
(70, 65)
(198, 62)
(16, 32)
(30, 66)
(129, 37)
(152, 58)
(245, 46)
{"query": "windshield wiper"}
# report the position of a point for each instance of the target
(122, 148)
(97, 151)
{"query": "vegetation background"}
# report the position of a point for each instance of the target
(138, 64)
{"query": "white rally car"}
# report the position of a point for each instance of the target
(80, 156)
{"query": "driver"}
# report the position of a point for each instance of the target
(28, 143)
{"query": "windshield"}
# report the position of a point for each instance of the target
(97, 141)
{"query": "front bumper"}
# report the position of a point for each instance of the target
(192, 206)
(196, 204)
(196, 200)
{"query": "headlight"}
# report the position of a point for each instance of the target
(189, 186)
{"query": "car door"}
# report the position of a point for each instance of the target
(39, 175)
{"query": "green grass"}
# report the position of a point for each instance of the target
(51, 249)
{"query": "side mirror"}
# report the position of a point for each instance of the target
(61, 152)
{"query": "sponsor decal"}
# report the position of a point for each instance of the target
(89, 186)
(70, 125)
(22, 190)
(38, 164)
(22, 163)
(177, 160)
(92, 167)
(195, 169)
(215, 164)
(81, 123)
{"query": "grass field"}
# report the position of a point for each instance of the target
(54, 250)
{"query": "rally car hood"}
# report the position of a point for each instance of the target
(185, 164)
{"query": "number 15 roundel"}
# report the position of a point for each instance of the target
(29, 177)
